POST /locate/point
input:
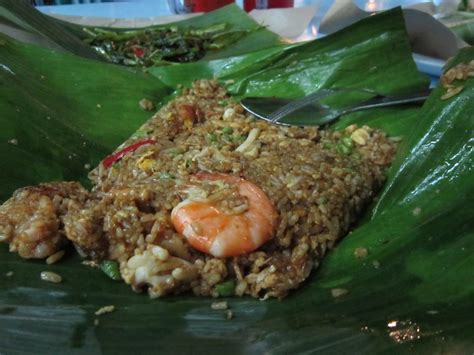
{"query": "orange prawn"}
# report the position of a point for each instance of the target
(213, 231)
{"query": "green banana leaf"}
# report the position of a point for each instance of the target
(66, 36)
(20, 15)
(412, 293)
(462, 24)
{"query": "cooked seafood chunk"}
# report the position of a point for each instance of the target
(31, 221)
(226, 224)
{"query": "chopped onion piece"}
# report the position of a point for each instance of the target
(253, 134)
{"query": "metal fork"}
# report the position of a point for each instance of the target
(275, 110)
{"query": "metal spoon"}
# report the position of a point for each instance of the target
(297, 111)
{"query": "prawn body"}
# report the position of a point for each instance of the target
(212, 230)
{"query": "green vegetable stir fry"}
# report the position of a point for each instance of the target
(156, 46)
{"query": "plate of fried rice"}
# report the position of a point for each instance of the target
(207, 199)
(146, 211)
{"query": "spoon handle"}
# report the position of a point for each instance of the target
(390, 101)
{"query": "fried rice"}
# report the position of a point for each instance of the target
(318, 181)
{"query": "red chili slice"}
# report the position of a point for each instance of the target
(111, 159)
(139, 52)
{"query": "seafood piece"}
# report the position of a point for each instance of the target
(222, 232)
(158, 271)
(31, 220)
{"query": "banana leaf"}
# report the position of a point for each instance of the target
(462, 24)
(413, 292)
(58, 34)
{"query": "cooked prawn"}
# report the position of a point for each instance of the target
(214, 231)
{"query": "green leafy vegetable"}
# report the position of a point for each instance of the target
(347, 141)
(226, 288)
(167, 176)
(111, 269)
(152, 46)
(344, 149)
(227, 130)
(211, 137)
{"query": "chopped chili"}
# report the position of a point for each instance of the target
(111, 159)
(139, 52)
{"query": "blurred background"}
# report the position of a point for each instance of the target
(170, 6)
(457, 15)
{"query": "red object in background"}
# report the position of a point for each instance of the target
(206, 5)
(249, 5)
